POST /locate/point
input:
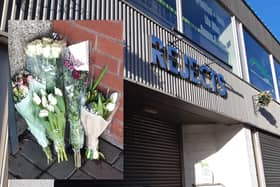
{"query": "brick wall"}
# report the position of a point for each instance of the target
(106, 48)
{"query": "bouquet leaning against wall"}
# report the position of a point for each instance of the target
(23, 87)
(96, 114)
(43, 58)
(75, 70)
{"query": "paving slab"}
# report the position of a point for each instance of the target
(101, 170)
(119, 163)
(46, 176)
(22, 168)
(34, 153)
(110, 152)
(64, 169)
(80, 175)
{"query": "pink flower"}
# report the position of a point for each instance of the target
(66, 63)
(76, 74)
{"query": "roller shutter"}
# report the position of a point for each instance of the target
(152, 152)
(270, 146)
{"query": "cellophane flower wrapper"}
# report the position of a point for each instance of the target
(75, 70)
(94, 125)
(34, 122)
(42, 57)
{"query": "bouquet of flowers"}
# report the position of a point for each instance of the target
(96, 115)
(42, 55)
(23, 87)
(50, 108)
(76, 65)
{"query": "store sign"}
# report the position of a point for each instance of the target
(167, 59)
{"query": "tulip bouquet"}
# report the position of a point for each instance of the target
(75, 76)
(42, 56)
(96, 115)
(51, 109)
(23, 88)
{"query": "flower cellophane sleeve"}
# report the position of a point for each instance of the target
(34, 122)
(94, 126)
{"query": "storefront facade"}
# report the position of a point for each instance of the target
(191, 70)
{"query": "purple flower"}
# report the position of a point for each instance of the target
(76, 74)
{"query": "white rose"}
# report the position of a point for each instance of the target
(110, 107)
(46, 51)
(36, 98)
(56, 50)
(44, 101)
(43, 113)
(52, 100)
(30, 50)
(39, 48)
(57, 91)
(50, 108)
(114, 97)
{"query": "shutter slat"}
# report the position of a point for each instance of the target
(152, 154)
(270, 146)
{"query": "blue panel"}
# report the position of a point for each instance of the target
(204, 21)
(258, 64)
(163, 11)
(277, 71)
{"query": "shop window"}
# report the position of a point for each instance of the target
(277, 72)
(260, 74)
(163, 11)
(207, 23)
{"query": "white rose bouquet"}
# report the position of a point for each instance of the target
(96, 115)
(42, 56)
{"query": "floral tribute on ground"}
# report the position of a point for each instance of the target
(54, 91)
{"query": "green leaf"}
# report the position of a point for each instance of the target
(99, 106)
(100, 77)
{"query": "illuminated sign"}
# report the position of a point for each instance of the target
(167, 58)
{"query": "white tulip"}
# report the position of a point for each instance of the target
(46, 51)
(114, 97)
(57, 91)
(110, 107)
(50, 108)
(95, 154)
(52, 100)
(43, 92)
(36, 98)
(43, 113)
(44, 101)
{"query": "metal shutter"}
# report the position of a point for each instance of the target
(152, 152)
(270, 146)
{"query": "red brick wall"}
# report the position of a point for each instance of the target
(106, 48)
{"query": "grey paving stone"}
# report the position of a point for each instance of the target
(34, 153)
(79, 175)
(21, 168)
(64, 169)
(46, 176)
(101, 170)
(110, 152)
(119, 163)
